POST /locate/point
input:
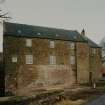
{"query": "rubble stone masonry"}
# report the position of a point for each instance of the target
(21, 77)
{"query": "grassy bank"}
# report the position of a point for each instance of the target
(69, 102)
(61, 97)
(82, 97)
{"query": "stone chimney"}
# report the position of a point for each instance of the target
(83, 32)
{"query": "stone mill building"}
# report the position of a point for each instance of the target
(37, 57)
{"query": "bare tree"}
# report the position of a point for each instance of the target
(3, 15)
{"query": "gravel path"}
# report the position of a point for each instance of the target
(99, 101)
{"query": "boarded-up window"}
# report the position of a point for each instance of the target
(72, 59)
(29, 59)
(29, 42)
(52, 44)
(52, 59)
(14, 59)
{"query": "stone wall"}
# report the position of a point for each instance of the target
(19, 75)
(82, 62)
(95, 63)
(2, 76)
(42, 75)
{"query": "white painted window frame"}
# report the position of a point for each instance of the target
(72, 45)
(52, 59)
(52, 44)
(94, 51)
(29, 59)
(14, 59)
(72, 59)
(28, 42)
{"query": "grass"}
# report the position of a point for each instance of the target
(69, 102)
(69, 98)
(82, 97)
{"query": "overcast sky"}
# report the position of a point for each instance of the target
(67, 14)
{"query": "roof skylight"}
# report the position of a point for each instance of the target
(19, 31)
(38, 33)
(57, 35)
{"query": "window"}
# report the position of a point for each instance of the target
(19, 31)
(52, 59)
(57, 35)
(52, 44)
(29, 59)
(38, 33)
(14, 59)
(103, 75)
(72, 59)
(72, 45)
(93, 51)
(28, 42)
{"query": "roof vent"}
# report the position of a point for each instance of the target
(75, 37)
(19, 31)
(38, 33)
(57, 35)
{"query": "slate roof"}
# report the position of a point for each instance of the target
(23, 30)
(91, 43)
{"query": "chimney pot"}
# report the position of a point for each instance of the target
(83, 32)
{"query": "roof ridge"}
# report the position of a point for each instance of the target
(40, 26)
